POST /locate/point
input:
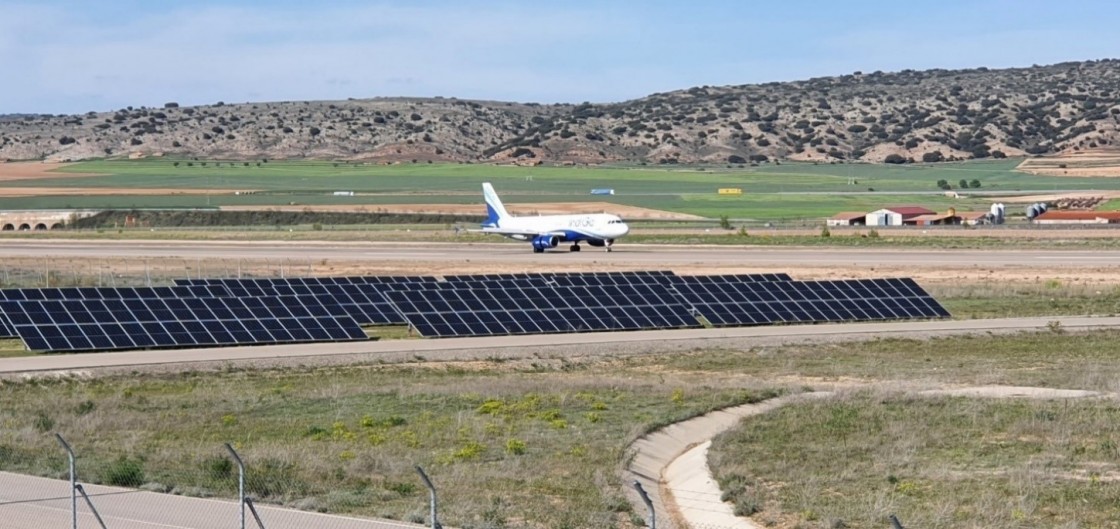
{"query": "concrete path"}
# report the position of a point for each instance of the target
(696, 493)
(28, 502)
(654, 452)
(672, 463)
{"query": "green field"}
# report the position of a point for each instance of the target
(771, 192)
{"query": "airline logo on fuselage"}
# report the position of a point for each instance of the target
(581, 222)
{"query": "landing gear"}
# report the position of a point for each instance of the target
(610, 242)
(538, 250)
(574, 248)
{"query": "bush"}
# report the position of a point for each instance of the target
(314, 131)
(963, 184)
(124, 472)
(724, 222)
(974, 183)
(933, 157)
(894, 158)
(66, 140)
(825, 232)
(736, 159)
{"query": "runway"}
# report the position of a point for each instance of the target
(520, 254)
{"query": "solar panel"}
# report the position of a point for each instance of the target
(727, 278)
(6, 330)
(359, 297)
(738, 303)
(139, 323)
(516, 308)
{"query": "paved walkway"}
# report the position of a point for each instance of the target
(28, 502)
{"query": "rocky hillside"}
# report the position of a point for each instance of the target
(897, 117)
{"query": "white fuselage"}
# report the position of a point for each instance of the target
(595, 226)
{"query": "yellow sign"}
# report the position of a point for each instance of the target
(730, 191)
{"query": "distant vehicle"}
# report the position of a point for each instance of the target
(548, 231)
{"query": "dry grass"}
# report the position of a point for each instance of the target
(498, 436)
(935, 462)
(1052, 358)
(523, 447)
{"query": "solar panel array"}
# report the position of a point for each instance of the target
(735, 304)
(361, 297)
(87, 319)
(206, 312)
(526, 308)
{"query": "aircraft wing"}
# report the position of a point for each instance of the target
(515, 231)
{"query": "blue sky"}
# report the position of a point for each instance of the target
(77, 56)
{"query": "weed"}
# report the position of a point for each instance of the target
(218, 468)
(515, 447)
(43, 422)
(124, 472)
(85, 407)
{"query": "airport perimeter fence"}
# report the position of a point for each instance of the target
(63, 489)
(56, 272)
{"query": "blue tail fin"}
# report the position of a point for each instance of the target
(495, 211)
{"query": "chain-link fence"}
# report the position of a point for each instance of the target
(68, 490)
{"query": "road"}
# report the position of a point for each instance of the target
(624, 255)
(28, 502)
(508, 345)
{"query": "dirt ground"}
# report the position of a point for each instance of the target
(29, 170)
(1085, 164)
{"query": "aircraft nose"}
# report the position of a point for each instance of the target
(623, 229)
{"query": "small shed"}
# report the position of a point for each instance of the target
(973, 218)
(935, 219)
(883, 217)
(848, 218)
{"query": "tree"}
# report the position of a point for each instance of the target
(943, 184)
(963, 184)
(975, 184)
(735, 158)
(314, 131)
(933, 157)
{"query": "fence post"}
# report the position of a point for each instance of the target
(73, 481)
(240, 481)
(649, 504)
(895, 524)
(432, 494)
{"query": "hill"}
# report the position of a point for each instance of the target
(895, 117)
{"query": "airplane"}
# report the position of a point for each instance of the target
(548, 231)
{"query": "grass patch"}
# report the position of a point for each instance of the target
(1011, 300)
(771, 192)
(390, 332)
(1051, 358)
(12, 348)
(935, 462)
(495, 438)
